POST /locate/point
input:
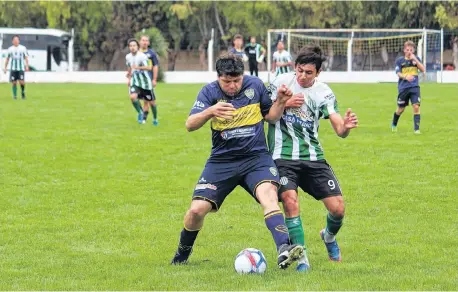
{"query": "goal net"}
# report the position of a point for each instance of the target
(361, 49)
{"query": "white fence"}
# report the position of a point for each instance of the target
(119, 77)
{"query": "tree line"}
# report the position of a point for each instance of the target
(103, 27)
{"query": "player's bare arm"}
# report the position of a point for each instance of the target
(6, 64)
(155, 73)
(278, 107)
(222, 110)
(26, 58)
(420, 66)
(148, 67)
(343, 126)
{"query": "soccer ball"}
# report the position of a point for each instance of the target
(250, 260)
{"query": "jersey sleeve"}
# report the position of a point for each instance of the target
(398, 66)
(265, 100)
(10, 53)
(202, 102)
(127, 62)
(329, 106)
(275, 57)
(290, 58)
(154, 58)
(26, 53)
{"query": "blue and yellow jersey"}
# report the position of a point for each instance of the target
(152, 59)
(244, 134)
(407, 67)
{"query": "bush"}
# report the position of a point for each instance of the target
(158, 44)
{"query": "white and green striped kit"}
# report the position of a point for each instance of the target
(295, 136)
(17, 57)
(282, 57)
(140, 78)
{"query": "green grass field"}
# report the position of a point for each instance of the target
(90, 200)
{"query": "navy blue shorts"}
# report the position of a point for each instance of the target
(219, 179)
(411, 94)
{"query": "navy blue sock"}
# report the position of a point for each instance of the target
(275, 221)
(187, 238)
(395, 119)
(416, 122)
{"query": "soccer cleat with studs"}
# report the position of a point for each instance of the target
(287, 254)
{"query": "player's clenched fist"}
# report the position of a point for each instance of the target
(350, 119)
(296, 100)
(223, 110)
(284, 93)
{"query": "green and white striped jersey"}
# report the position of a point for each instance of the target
(17, 57)
(140, 78)
(295, 136)
(282, 57)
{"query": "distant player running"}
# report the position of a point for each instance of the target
(140, 86)
(19, 64)
(408, 87)
(237, 105)
(297, 151)
(154, 62)
(282, 60)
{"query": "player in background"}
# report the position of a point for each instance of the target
(237, 47)
(255, 53)
(237, 105)
(282, 60)
(408, 87)
(140, 86)
(297, 151)
(19, 64)
(154, 62)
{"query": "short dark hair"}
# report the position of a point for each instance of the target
(229, 64)
(132, 40)
(311, 54)
(15, 36)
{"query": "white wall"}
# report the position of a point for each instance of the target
(118, 77)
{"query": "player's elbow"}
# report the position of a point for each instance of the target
(190, 126)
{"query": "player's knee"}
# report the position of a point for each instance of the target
(416, 108)
(267, 195)
(337, 209)
(196, 213)
(290, 204)
(400, 110)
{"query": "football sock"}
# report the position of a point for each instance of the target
(275, 222)
(395, 119)
(23, 89)
(187, 238)
(145, 115)
(14, 90)
(333, 225)
(137, 105)
(296, 232)
(154, 110)
(416, 122)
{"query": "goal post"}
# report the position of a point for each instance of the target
(363, 49)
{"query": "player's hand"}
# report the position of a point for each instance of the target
(223, 110)
(297, 100)
(134, 67)
(27, 68)
(284, 94)
(350, 119)
(154, 83)
(410, 78)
